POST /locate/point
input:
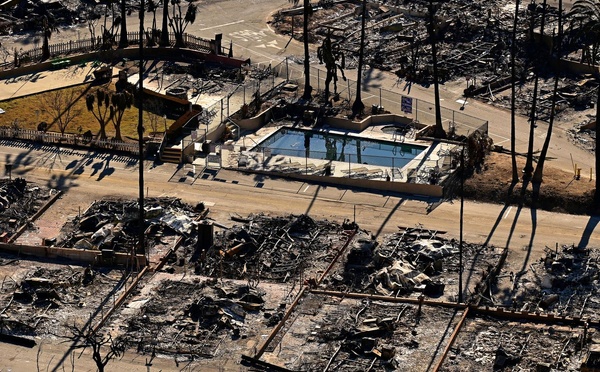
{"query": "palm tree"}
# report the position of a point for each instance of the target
(589, 11)
(48, 27)
(123, 42)
(179, 22)
(513, 52)
(119, 103)
(439, 131)
(358, 106)
(99, 106)
(539, 169)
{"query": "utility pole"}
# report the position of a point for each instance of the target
(462, 207)
(140, 130)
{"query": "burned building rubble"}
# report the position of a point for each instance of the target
(281, 249)
(19, 201)
(565, 282)
(412, 262)
(43, 301)
(193, 317)
(497, 344)
(307, 294)
(114, 224)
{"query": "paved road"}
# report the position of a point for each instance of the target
(86, 175)
(253, 38)
(96, 174)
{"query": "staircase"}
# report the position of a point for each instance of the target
(171, 155)
(233, 128)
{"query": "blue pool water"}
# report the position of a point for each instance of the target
(328, 146)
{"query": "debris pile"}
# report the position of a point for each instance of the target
(471, 36)
(415, 260)
(114, 224)
(274, 248)
(491, 344)
(194, 317)
(584, 135)
(19, 201)
(345, 334)
(566, 282)
(46, 299)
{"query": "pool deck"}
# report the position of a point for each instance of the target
(243, 159)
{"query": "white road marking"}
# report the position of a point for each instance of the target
(222, 25)
(273, 44)
(306, 188)
(507, 213)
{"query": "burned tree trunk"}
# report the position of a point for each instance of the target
(307, 10)
(539, 169)
(528, 170)
(513, 52)
(439, 131)
(358, 106)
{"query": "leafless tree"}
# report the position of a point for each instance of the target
(4, 54)
(92, 21)
(60, 104)
(164, 34)
(153, 109)
(123, 42)
(104, 347)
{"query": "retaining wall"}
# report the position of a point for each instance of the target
(81, 255)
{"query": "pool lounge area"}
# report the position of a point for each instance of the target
(371, 159)
(326, 145)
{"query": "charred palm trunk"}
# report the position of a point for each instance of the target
(539, 169)
(123, 42)
(513, 52)
(307, 88)
(527, 171)
(439, 128)
(164, 35)
(358, 106)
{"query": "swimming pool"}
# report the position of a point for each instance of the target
(337, 147)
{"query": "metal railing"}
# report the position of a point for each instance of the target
(395, 102)
(67, 139)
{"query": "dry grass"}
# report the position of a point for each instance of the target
(29, 112)
(559, 192)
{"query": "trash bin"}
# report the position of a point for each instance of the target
(206, 147)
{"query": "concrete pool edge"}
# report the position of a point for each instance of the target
(436, 191)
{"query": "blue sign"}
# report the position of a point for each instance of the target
(406, 104)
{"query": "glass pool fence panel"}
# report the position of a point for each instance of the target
(351, 161)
